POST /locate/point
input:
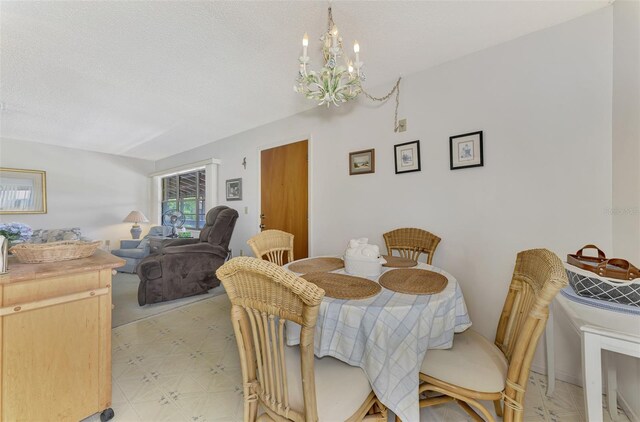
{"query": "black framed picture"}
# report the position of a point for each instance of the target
(407, 157)
(465, 151)
(234, 189)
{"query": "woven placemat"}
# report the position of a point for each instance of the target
(342, 286)
(413, 281)
(398, 262)
(315, 265)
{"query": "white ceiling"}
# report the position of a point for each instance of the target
(150, 78)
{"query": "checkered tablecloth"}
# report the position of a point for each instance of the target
(388, 336)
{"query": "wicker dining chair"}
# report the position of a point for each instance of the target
(475, 369)
(273, 244)
(288, 383)
(411, 243)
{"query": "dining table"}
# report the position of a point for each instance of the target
(388, 335)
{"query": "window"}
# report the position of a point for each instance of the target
(186, 193)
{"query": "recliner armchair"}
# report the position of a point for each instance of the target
(134, 250)
(187, 267)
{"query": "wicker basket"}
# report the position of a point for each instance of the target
(587, 284)
(32, 253)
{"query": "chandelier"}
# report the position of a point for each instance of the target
(336, 82)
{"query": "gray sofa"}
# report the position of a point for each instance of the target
(134, 250)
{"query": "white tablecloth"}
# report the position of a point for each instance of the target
(388, 336)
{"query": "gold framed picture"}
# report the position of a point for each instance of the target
(23, 191)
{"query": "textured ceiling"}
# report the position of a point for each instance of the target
(151, 78)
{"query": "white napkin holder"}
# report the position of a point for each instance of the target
(363, 259)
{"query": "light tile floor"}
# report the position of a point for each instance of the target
(183, 366)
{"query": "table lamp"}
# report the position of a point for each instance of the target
(135, 217)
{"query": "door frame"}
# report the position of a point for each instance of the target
(293, 140)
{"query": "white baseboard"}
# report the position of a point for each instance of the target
(560, 375)
(571, 379)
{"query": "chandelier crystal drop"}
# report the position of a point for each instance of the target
(335, 83)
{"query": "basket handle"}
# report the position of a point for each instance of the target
(623, 264)
(590, 246)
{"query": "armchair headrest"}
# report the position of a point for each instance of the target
(220, 222)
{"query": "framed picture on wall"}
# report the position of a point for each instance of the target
(407, 157)
(362, 162)
(23, 191)
(466, 151)
(234, 189)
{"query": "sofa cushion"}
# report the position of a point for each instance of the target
(153, 231)
(130, 253)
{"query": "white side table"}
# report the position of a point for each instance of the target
(600, 330)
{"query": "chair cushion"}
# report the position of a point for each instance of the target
(153, 231)
(340, 388)
(473, 362)
(130, 253)
(156, 231)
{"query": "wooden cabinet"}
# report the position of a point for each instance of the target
(55, 339)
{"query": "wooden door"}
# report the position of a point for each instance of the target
(284, 185)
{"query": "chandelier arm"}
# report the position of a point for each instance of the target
(395, 89)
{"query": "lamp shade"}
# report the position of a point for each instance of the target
(135, 217)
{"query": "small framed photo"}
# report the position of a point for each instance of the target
(362, 162)
(407, 157)
(466, 151)
(234, 189)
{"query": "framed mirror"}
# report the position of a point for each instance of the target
(23, 191)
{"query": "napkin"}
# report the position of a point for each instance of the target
(361, 249)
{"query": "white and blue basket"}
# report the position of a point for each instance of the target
(588, 284)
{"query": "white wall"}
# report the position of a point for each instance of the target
(90, 190)
(626, 129)
(544, 104)
(626, 172)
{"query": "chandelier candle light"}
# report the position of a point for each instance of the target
(336, 83)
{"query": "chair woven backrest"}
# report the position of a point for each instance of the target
(537, 278)
(411, 243)
(263, 296)
(273, 245)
